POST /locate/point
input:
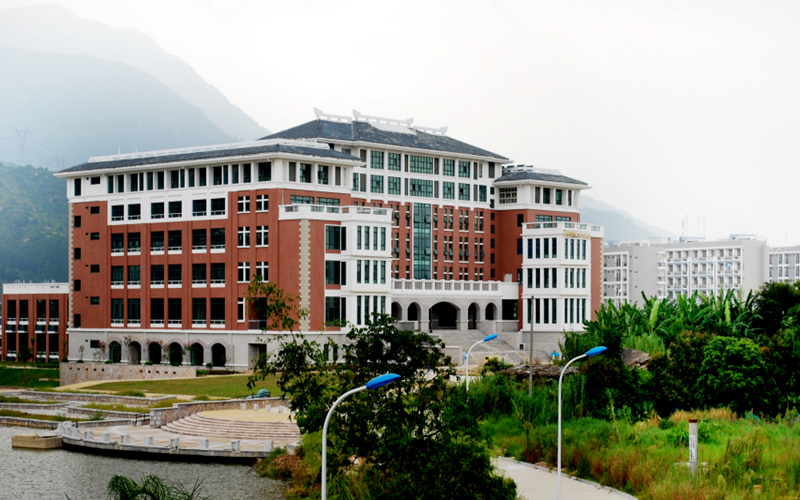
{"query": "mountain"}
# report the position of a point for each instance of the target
(619, 225)
(33, 225)
(53, 28)
(79, 106)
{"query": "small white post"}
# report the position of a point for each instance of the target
(693, 446)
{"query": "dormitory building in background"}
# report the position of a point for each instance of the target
(668, 267)
(354, 215)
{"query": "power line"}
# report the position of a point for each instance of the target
(22, 138)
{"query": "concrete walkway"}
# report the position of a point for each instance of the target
(534, 483)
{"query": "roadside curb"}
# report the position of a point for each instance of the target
(611, 491)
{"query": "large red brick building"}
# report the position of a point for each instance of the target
(34, 315)
(352, 215)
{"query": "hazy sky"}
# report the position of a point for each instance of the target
(667, 109)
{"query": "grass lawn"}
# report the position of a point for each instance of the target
(14, 377)
(15, 400)
(36, 416)
(228, 386)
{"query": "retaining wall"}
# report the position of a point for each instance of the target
(163, 416)
(75, 373)
(96, 398)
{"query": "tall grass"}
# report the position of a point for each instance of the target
(651, 343)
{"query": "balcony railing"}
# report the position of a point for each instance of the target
(175, 323)
(435, 286)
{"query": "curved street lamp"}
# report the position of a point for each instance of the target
(466, 356)
(375, 383)
(591, 352)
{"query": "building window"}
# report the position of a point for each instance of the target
(333, 272)
(218, 238)
(201, 177)
(559, 196)
(199, 241)
(157, 210)
(301, 200)
(175, 274)
(335, 309)
(218, 273)
(240, 311)
(117, 311)
(330, 202)
(546, 196)
(393, 161)
(199, 208)
(218, 206)
(199, 274)
(394, 185)
(134, 242)
(77, 187)
(175, 209)
(305, 173)
(244, 237)
(421, 188)
(262, 270)
(449, 167)
(508, 195)
(463, 191)
(94, 210)
(482, 193)
(264, 172)
(376, 158)
(262, 236)
(157, 275)
(463, 169)
(94, 301)
(420, 164)
(244, 204)
(322, 174)
(246, 173)
(448, 190)
(262, 203)
(117, 212)
(376, 183)
(333, 237)
(199, 312)
(244, 272)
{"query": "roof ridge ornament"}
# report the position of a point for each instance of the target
(431, 130)
(331, 118)
(408, 122)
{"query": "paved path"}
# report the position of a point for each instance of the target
(535, 483)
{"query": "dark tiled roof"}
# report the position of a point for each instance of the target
(205, 155)
(363, 131)
(538, 176)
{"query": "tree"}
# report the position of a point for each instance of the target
(733, 373)
(416, 436)
(774, 302)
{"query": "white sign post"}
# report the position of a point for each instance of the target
(693, 446)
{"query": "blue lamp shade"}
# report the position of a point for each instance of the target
(490, 337)
(595, 351)
(382, 380)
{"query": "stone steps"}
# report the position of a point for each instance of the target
(202, 426)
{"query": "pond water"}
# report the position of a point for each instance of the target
(58, 474)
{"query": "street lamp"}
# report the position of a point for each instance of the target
(591, 352)
(466, 357)
(375, 383)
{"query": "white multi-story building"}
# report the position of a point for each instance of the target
(665, 267)
(784, 264)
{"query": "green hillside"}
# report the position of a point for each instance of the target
(33, 225)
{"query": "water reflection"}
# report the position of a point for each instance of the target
(46, 475)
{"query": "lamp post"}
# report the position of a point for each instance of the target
(591, 352)
(466, 357)
(375, 383)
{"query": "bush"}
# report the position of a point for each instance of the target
(148, 363)
(79, 361)
(210, 365)
(108, 362)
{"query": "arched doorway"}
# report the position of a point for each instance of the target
(444, 316)
(175, 354)
(115, 352)
(218, 355)
(197, 354)
(397, 311)
(134, 353)
(413, 312)
(491, 312)
(154, 353)
(472, 316)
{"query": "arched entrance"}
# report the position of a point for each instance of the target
(134, 353)
(444, 316)
(218, 355)
(413, 312)
(197, 354)
(397, 311)
(472, 316)
(175, 354)
(491, 312)
(115, 352)
(154, 353)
